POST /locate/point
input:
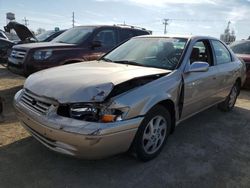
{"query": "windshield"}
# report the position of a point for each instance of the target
(241, 47)
(162, 53)
(44, 36)
(75, 35)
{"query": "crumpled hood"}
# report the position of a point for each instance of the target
(84, 82)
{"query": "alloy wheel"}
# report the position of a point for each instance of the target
(154, 134)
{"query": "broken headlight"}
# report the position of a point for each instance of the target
(84, 112)
(96, 113)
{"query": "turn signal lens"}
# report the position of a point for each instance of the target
(108, 118)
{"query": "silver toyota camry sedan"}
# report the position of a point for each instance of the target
(130, 99)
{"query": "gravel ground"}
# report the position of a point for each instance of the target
(211, 149)
(10, 129)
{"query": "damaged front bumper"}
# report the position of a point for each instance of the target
(89, 140)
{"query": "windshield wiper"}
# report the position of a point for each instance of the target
(106, 59)
(129, 63)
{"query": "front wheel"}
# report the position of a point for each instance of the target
(229, 103)
(152, 133)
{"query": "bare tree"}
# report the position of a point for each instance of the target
(40, 30)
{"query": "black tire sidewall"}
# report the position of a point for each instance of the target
(224, 106)
(137, 145)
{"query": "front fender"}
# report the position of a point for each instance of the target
(141, 99)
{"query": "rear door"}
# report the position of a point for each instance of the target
(200, 87)
(227, 67)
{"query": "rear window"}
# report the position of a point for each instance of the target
(242, 47)
(126, 34)
(140, 32)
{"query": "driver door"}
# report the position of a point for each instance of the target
(200, 87)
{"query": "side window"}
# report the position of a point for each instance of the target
(222, 54)
(201, 52)
(126, 34)
(107, 37)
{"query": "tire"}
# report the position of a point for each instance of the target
(152, 133)
(229, 103)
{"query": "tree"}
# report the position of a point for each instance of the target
(40, 30)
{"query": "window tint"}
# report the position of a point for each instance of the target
(75, 35)
(107, 37)
(141, 32)
(126, 34)
(201, 52)
(222, 54)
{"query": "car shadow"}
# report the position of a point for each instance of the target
(7, 95)
(7, 74)
(210, 149)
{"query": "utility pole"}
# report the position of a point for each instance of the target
(26, 22)
(73, 19)
(165, 23)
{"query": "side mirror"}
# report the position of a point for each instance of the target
(96, 44)
(198, 66)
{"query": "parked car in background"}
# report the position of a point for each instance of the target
(131, 98)
(49, 35)
(26, 36)
(23, 33)
(5, 47)
(242, 50)
(3, 35)
(82, 43)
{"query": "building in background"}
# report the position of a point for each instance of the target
(228, 37)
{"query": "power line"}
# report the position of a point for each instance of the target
(26, 22)
(73, 19)
(165, 23)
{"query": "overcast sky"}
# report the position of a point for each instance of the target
(198, 17)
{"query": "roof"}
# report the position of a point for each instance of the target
(116, 25)
(177, 36)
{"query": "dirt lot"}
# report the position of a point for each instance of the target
(10, 129)
(211, 149)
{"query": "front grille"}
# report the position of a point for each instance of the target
(35, 104)
(18, 54)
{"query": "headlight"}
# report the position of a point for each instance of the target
(96, 113)
(42, 54)
(84, 112)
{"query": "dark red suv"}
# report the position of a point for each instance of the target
(242, 50)
(81, 43)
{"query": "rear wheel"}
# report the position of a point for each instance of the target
(152, 133)
(229, 103)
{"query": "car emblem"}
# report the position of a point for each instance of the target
(33, 102)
